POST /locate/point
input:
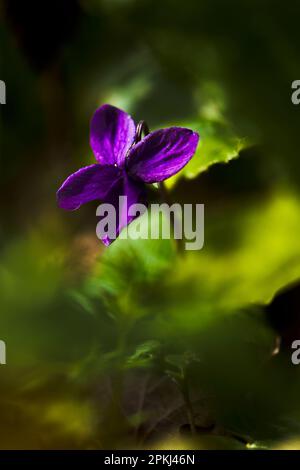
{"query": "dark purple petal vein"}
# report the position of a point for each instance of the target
(162, 154)
(111, 133)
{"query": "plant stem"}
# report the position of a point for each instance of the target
(165, 198)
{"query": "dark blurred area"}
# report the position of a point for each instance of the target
(42, 29)
(283, 313)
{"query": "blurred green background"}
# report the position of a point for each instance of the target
(135, 346)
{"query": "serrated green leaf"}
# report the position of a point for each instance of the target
(218, 144)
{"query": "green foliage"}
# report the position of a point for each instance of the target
(122, 347)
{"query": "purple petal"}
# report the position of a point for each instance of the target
(111, 134)
(88, 183)
(162, 154)
(135, 192)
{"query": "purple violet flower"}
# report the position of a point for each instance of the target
(125, 162)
